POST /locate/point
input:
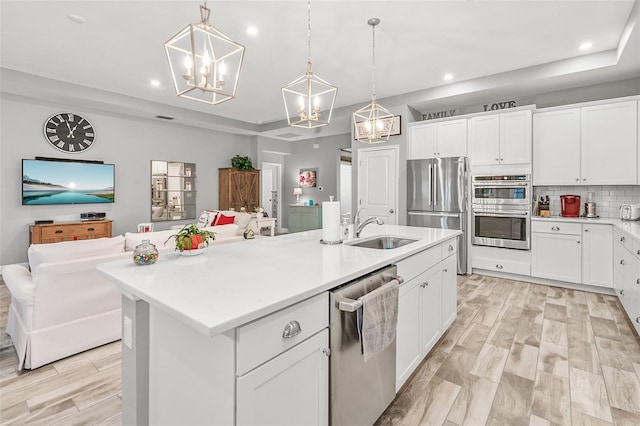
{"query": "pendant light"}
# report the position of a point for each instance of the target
(205, 64)
(373, 122)
(305, 97)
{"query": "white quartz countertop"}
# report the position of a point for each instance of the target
(631, 227)
(234, 283)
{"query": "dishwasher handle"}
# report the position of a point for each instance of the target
(350, 305)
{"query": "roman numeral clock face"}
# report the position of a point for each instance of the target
(69, 132)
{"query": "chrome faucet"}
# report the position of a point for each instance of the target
(359, 226)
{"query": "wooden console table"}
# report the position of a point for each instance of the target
(69, 231)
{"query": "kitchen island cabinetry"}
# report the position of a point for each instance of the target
(212, 350)
(427, 305)
(439, 139)
(589, 145)
(500, 139)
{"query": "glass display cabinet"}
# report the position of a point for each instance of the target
(173, 190)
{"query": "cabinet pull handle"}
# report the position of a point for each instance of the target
(622, 239)
(291, 329)
(499, 266)
(91, 229)
(59, 231)
(555, 228)
(424, 284)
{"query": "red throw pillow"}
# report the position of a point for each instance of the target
(225, 220)
(215, 219)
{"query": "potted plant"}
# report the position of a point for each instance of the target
(241, 162)
(259, 212)
(190, 237)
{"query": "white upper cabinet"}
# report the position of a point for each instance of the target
(556, 147)
(591, 145)
(441, 139)
(610, 144)
(500, 139)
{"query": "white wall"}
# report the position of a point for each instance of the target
(129, 143)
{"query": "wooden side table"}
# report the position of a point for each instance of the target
(265, 222)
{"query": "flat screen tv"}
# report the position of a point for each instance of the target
(54, 181)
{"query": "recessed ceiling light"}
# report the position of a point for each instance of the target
(77, 19)
(448, 77)
(252, 30)
(586, 45)
(155, 83)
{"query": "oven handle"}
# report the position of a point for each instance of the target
(502, 213)
(501, 185)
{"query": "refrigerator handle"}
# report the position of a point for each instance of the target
(434, 185)
(431, 183)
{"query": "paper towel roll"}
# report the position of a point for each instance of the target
(331, 221)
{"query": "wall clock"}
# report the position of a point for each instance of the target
(69, 132)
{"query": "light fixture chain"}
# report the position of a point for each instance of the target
(309, 31)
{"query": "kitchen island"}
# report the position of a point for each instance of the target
(184, 318)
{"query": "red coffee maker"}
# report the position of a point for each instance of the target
(570, 205)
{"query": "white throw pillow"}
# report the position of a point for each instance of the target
(133, 239)
(207, 217)
(68, 250)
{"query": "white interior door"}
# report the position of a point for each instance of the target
(267, 187)
(271, 190)
(378, 183)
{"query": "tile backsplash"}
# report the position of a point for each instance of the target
(607, 198)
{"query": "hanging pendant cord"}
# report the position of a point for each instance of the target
(309, 32)
(373, 68)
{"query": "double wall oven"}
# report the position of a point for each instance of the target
(501, 211)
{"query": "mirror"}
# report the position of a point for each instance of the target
(173, 190)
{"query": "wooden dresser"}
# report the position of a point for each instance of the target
(69, 231)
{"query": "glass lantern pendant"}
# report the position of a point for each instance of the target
(205, 64)
(373, 122)
(309, 100)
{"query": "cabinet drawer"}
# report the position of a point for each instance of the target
(263, 339)
(413, 265)
(556, 227)
(502, 265)
(71, 231)
(623, 238)
(449, 247)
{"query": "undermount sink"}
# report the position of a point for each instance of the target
(382, 242)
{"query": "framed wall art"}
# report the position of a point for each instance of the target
(308, 178)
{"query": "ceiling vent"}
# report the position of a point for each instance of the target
(164, 117)
(288, 135)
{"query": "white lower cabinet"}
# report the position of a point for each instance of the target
(427, 307)
(626, 270)
(597, 255)
(572, 252)
(291, 389)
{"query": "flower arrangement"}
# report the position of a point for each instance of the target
(259, 209)
(190, 237)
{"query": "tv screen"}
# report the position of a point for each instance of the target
(67, 182)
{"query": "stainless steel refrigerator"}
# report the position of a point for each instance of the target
(437, 197)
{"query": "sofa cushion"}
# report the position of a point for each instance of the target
(132, 239)
(207, 218)
(65, 250)
(224, 220)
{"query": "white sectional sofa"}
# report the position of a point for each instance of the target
(60, 306)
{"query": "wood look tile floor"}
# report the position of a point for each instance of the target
(517, 354)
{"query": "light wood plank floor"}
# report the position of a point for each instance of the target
(518, 354)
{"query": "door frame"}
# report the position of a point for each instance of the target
(278, 168)
(396, 150)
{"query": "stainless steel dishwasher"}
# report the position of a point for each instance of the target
(360, 391)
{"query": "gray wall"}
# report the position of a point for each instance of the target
(129, 143)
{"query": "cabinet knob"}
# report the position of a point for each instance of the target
(638, 281)
(586, 230)
(555, 228)
(327, 352)
(583, 179)
(638, 320)
(502, 159)
(622, 262)
(424, 284)
(577, 180)
(499, 266)
(451, 248)
(622, 239)
(291, 329)
(638, 252)
(91, 229)
(445, 270)
(497, 159)
(621, 292)
(578, 241)
(59, 231)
